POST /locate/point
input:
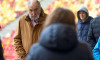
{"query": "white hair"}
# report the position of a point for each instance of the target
(29, 1)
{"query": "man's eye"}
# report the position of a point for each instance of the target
(36, 9)
(31, 10)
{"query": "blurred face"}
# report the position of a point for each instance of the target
(34, 10)
(82, 15)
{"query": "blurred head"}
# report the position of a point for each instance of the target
(34, 9)
(82, 15)
(60, 15)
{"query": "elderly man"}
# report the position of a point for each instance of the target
(29, 28)
(83, 23)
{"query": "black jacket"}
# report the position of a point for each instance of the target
(94, 32)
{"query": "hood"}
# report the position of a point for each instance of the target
(59, 37)
(82, 9)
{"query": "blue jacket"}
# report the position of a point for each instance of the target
(59, 42)
(83, 27)
(96, 50)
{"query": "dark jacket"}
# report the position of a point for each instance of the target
(1, 51)
(83, 27)
(94, 31)
(59, 42)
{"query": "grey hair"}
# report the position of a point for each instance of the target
(29, 1)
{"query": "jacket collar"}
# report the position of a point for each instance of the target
(88, 19)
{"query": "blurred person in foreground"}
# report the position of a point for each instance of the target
(58, 40)
(83, 23)
(29, 28)
(1, 51)
(96, 50)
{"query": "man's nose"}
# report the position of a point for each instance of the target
(33, 13)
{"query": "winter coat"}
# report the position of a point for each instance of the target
(96, 50)
(83, 27)
(94, 32)
(26, 34)
(59, 42)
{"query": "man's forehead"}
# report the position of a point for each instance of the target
(81, 11)
(33, 4)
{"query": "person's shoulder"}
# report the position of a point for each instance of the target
(23, 17)
(98, 17)
(42, 18)
(84, 45)
(90, 17)
(95, 19)
(34, 47)
(33, 52)
(45, 15)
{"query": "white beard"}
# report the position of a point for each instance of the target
(36, 17)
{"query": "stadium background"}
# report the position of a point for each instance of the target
(12, 10)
